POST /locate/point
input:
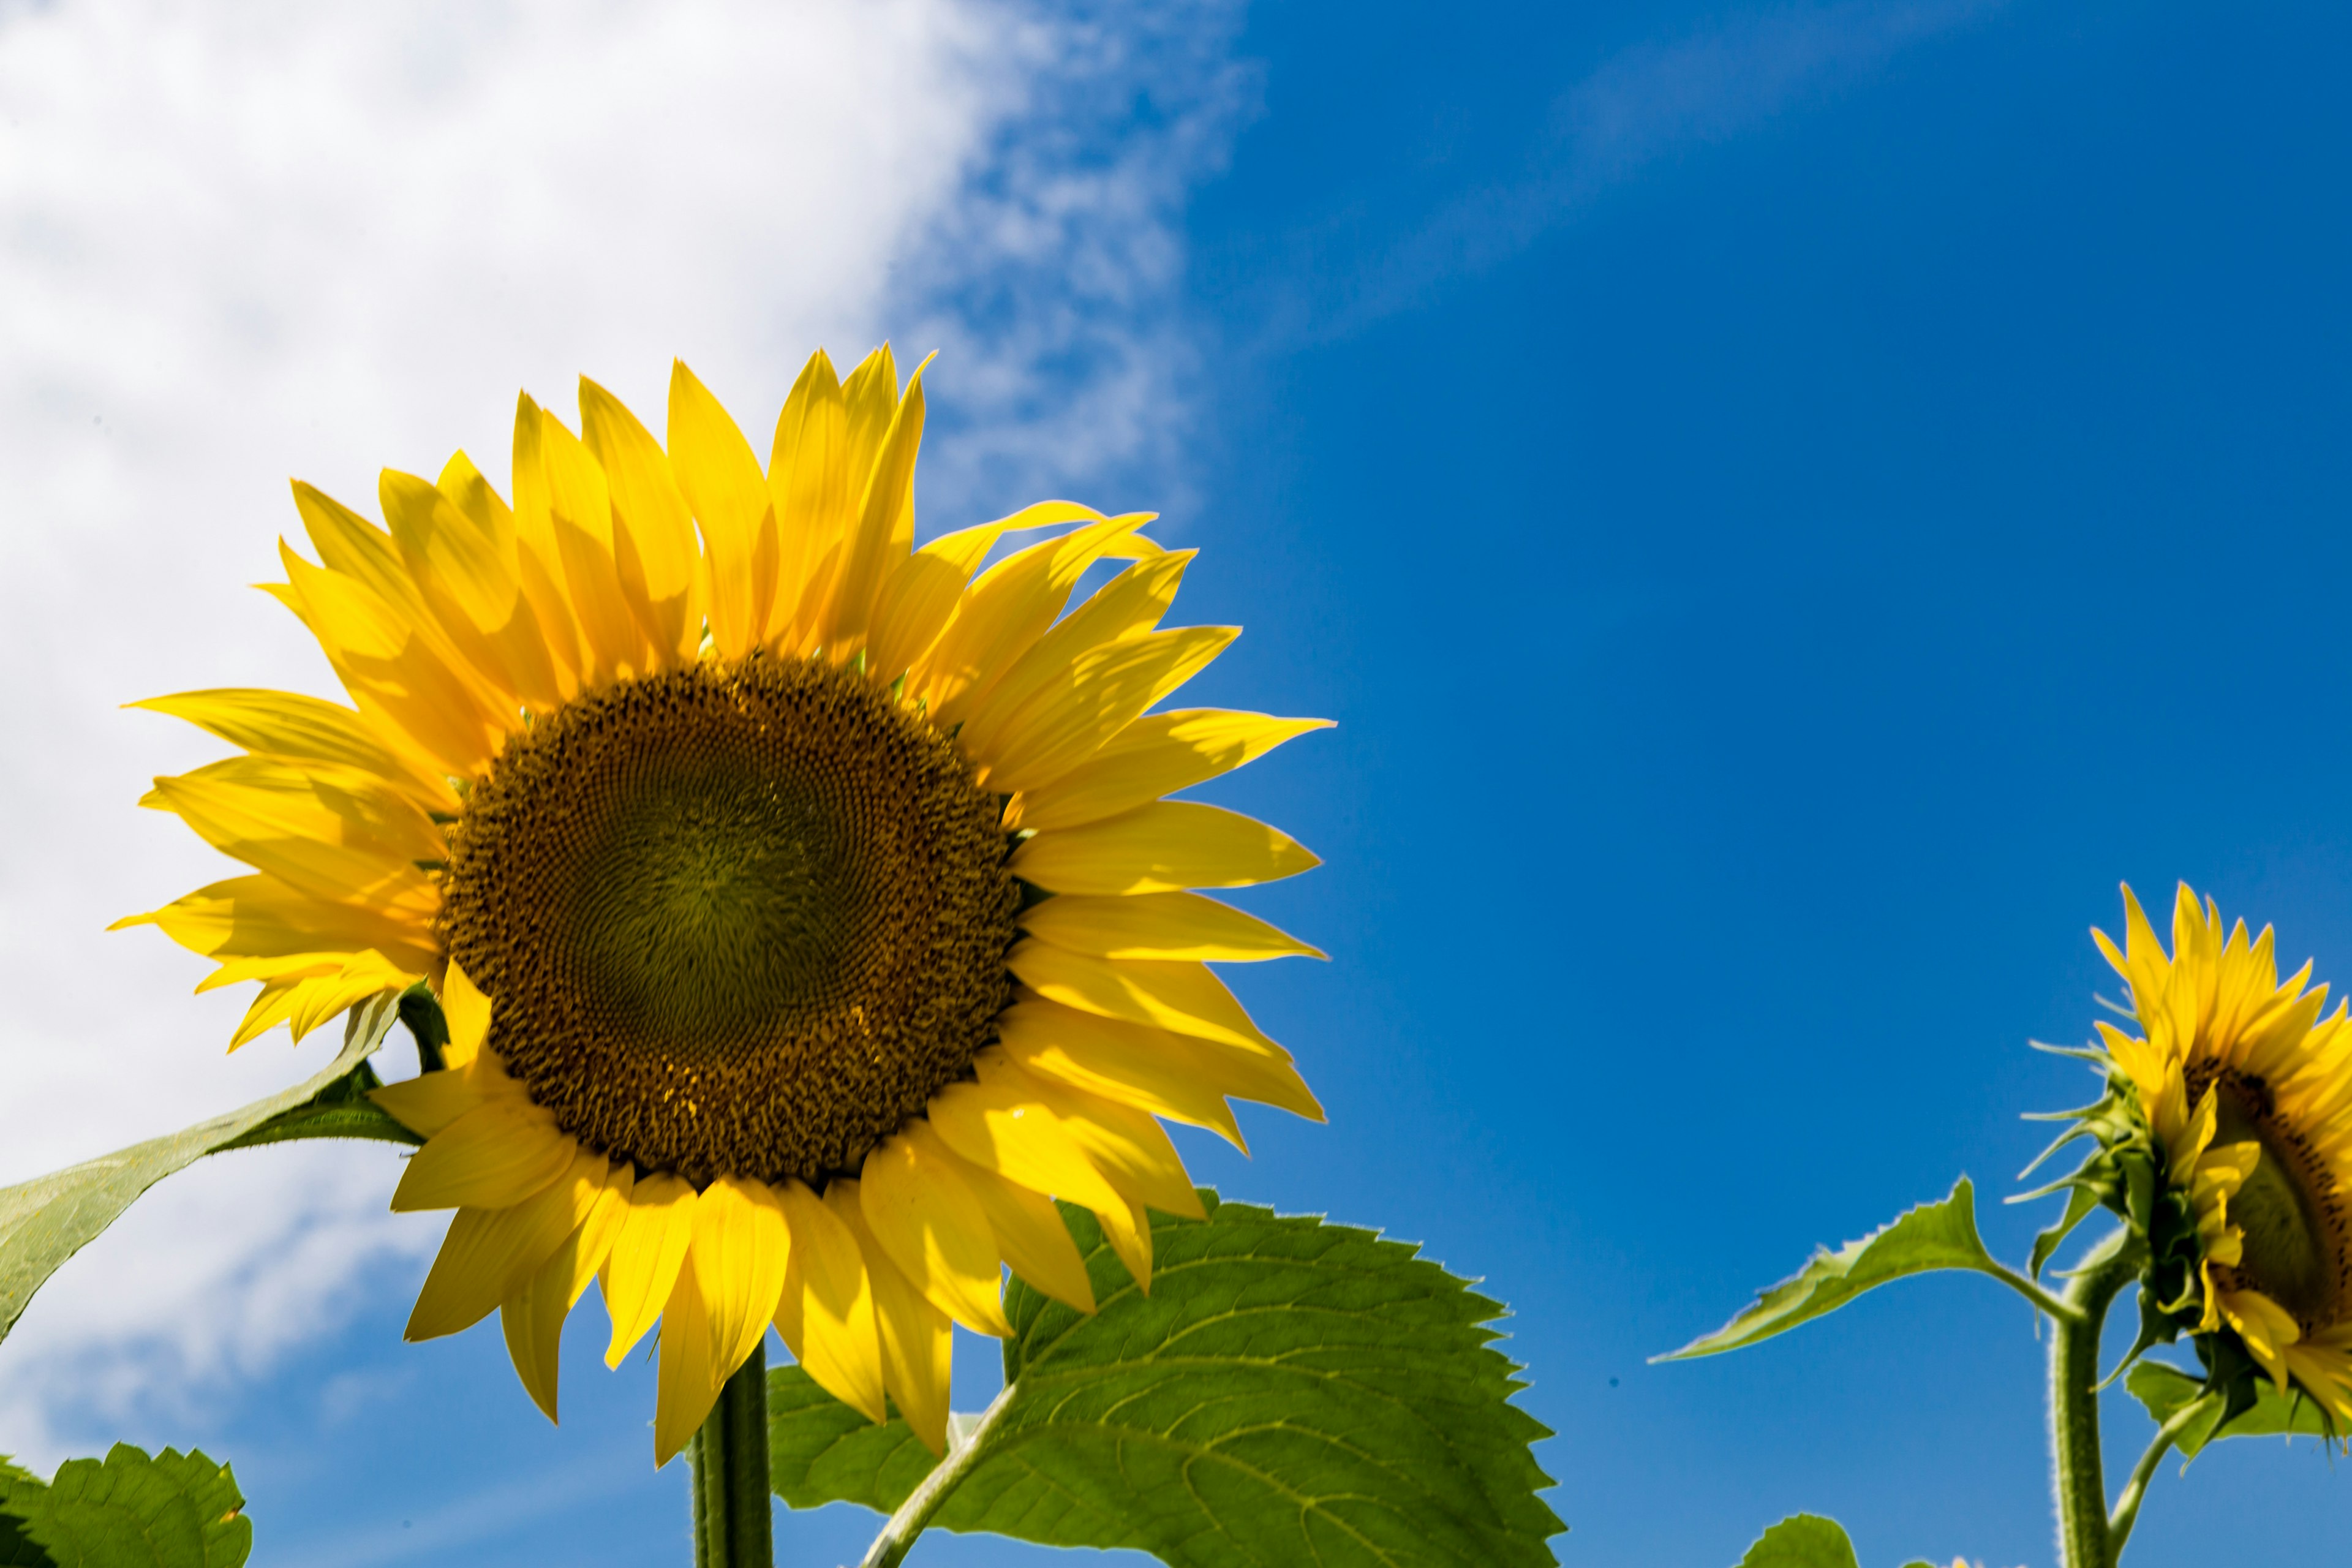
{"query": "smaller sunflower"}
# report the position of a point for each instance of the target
(2242, 1091)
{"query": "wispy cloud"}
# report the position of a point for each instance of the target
(270, 237)
(1651, 102)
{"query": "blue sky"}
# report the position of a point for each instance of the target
(1788, 506)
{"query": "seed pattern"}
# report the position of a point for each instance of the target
(744, 918)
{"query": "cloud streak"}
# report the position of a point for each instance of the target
(270, 237)
(1648, 103)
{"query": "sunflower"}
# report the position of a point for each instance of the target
(805, 909)
(2247, 1093)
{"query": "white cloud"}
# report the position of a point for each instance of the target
(263, 237)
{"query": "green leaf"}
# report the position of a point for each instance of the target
(127, 1510)
(1289, 1392)
(1932, 1235)
(342, 1109)
(1802, 1541)
(47, 1220)
(2166, 1390)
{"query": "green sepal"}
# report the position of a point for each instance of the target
(427, 1025)
(342, 1109)
(2254, 1408)
(126, 1511)
(1290, 1391)
(2081, 1197)
(47, 1220)
(1930, 1237)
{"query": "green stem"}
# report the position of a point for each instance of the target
(2126, 1513)
(965, 1449)
(2083, 1535)
(733, 1524)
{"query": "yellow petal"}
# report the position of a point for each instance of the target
(1128, 606)
(1029, 1231)
(717, 469)
(998, 1129)
(884, 531)
(935, 1231)
(496, 1156)
(826, 1314)
(1158, 754)
(490, 1253)
(920, 597)
(738, 1257)
(1167, 846)
(466, 1011)
(1167, 1075)
(1125, 1144)
(429, 1102)
(1007, 610)
(646, 1256)
(474, 593)
(393, 670)
(263, 916)
(653, 530)
(690, 1383)
(539, 559)
(808, 472)
(580, 516)
(1159, 925)
(306, 728)
(1184, 998)
(918, 1339)
(1102, 693)
(533, 1322)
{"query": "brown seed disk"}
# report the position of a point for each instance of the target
(742, 919)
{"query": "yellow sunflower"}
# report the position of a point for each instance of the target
(2248, 1092)
(804, 908)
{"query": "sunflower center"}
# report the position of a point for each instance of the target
(740, 918)
(2287, 1208)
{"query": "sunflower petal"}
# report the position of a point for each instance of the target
(649, 1252)
(1029, 1231)
(1168, 846)
(492, 1157)
(653, 529)
(688, 1382)
(1186, 998)
(1158, 754)
(305, 729)
(918, 1339)
(1163, 1073)
(936, 1232)
(1159, 925)
(737, 1256)
(716, 469)
(826, 1314)
(489, 1253)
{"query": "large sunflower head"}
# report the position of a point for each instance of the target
(2237, 1095)
(803, 905)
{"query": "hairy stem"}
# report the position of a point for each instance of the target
(733, 1527)
(2127, 1511)
(897, 1537)
(2083, 1539)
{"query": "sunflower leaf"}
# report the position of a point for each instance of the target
(1289, 1392)
(126, 1511)
(2166, 1390)
(47, 1220)
(1802, 1541)
(1930, 1237)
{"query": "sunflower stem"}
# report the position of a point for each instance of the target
(964, 1451)
(733, 1524)
(2083, 1538)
